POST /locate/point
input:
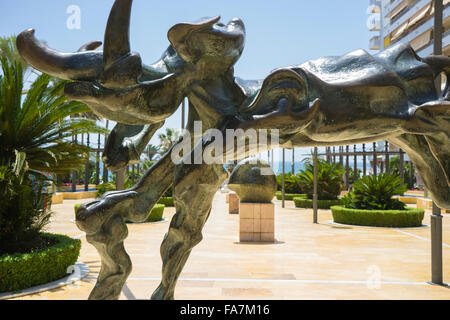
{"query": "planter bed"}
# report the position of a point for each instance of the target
(322, 204)
(24, 270)
(410, 217)
(290, 196)
(167, 201)
(155, 215)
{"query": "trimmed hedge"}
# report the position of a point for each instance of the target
(167, 201)
(289, 196)
(25, 270)
(411, 217)
(156, 214)
(322, 204)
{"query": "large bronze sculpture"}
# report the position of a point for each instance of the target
(357, 98)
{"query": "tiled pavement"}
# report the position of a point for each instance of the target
(308, 261)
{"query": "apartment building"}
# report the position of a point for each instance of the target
(410, 21)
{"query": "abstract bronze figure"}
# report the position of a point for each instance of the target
(357, 98)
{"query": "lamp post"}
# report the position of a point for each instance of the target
(315, 197)
(374, 159)
(347, 168)
(282, 184)
(436, 217)
(74, 172)
(293, 161)
(355, 164)
(364, 159)
(183, 107)
(87, 166)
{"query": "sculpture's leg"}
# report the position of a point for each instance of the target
(103, 221)
(195, 186)
(430, 169)
(116, 264)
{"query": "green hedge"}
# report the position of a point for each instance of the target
(411, 217)
(25, 270)
(156, 214)
(289, 196)
(167, 201)
(322, 204)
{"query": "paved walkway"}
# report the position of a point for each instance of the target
(308, 261)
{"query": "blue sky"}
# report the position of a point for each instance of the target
(279, 33)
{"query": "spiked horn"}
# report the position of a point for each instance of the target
(86, 65)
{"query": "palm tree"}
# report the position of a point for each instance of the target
(35, 136)
(168, 139)
(329, 179)
(39, 125)
(9, 51)
(153, 152)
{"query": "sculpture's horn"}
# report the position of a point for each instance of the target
(117, 33)
(70, 66)
(90, 46)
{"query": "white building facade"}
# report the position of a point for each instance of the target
(407, 21)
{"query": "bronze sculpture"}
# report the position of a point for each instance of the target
(254, 181)
(357, 98)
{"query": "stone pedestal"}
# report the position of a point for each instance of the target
(256, 222)
(233, 203)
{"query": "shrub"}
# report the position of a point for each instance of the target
(376, 192)
(395, 168)
(289, 196)
(156, 214)
(291, 183)
(76, 207)
(410, 217)
(105, 187)
(321, 204)
(22, 211)
(167, 201)
(22, 271)
(329, 179)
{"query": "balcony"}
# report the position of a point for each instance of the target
(429, 49)
(417, 30)
(374, 7)
(374, 43)
(374, 22)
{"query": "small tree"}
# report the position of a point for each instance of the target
(168, 139)
(35, 132)
(394, 168)
(376, 192)
(291, 183)
(23, 213)
(329, 179)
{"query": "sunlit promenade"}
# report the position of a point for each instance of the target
(307, 261)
